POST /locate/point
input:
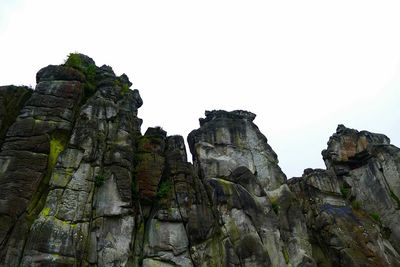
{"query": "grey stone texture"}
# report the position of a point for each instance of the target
(80, 185)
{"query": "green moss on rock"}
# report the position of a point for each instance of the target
(285, 254)
(45, 211)
(88, 68)
(274, 205)
(99, 180)
(226, 186)
(233, 231)
(58, 141)
(345, 191)
(376, 217)
(164, 189)
(124, 86)
(395, 198)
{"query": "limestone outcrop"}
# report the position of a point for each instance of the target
(80, 185)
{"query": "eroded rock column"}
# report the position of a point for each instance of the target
(227, 140)
(246, 186)
(30, 151)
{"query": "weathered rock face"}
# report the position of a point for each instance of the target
(341, 233)
(227, 140)
(352, 208)
(370, 172)
(81, 186)
(89, 196)
(29, 153)
(12, 98)
(246, 185)
(150, 162)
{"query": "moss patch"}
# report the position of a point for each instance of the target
(275, 206)
(375, 216)
(233, 231)
(74, 60)
(285, 254)
(57, 145)
(45, 211)
(226, 186)
(99, 180)
(164, 189)
(58, 142)
(61, 178)
(393, 195)
(124, 87)
(216, 251)
(345, 191)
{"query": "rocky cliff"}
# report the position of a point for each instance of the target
(80, 185)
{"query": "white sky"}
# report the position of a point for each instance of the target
(302, 66)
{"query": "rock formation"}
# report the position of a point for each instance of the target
(81, 186)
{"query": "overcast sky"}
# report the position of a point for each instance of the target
(302, 66)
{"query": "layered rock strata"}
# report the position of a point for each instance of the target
(81, 186)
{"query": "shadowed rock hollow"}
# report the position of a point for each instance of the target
(81, 186)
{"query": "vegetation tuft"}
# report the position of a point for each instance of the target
(124, 86)
(99, 180)
(74, 60)
(275, 207)
(164, 188)
(345, 191)
(375, 216)
(285, 255)
(124, 89)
